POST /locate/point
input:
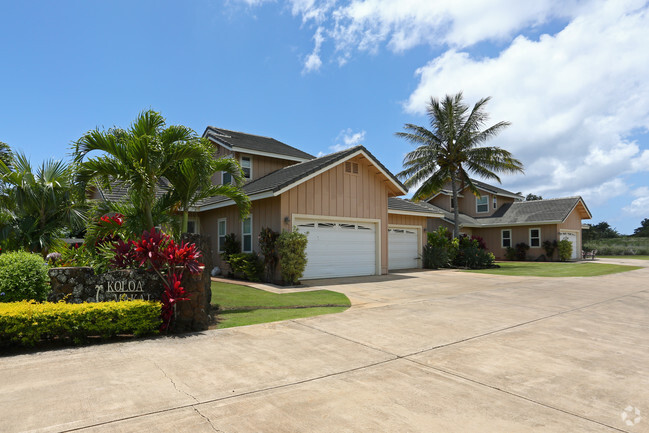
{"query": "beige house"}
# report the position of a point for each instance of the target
(504, 220)
(344, 202)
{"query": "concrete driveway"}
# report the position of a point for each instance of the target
(431, 351)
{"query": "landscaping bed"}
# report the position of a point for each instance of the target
(555, 269)
(238, 305)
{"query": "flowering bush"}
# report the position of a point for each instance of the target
(156, 251)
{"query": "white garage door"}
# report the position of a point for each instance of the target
(572, 237)
(339, 249)
(403, 248)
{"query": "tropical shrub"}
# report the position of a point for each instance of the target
(565, 250)
(157, 252)
(246, 265)
(521, 251)
(510, 253)
(472, 253)
(23, 277)
(550, 247)
(268, 247)
(291, 248)
(27, 323)
(231, 245)
(435, 253)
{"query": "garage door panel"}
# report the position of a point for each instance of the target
(338, 248)
(403, 248)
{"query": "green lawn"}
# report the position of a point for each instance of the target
(243, 305)
(624, 257)
(555, 269)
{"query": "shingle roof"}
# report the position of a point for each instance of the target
(523, 212)
(401, 204)
(240, 141)
(486, 187)
(286, 176)
(119, 191)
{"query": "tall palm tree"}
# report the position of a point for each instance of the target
(451, 149)
(191, 181)
(38, 205)
(137, 157)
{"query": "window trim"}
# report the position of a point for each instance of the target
(495, 202)
(219, 235)
(249, 158)
(539, 237)
(502, 238)
(477, 209)
(243, 234)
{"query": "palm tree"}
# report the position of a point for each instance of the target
(137, 157)
(451, 149)
(38, 205)
(191, 181)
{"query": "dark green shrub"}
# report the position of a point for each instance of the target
(434, 257)
(268, 247)
(291, 247)
(247, 266)
(550, 247)
(565, 250)
(23, 276)
(28, 323)
(521, 251)
(471, 254)
(510, 253)
(231, 245)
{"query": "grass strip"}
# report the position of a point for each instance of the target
(555, 269)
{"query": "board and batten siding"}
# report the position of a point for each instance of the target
(411, 220)
(265, 213)
(335, 193)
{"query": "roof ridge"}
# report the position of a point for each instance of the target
(245, 133)
(550, 199)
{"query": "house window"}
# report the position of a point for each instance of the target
(227, 178)
(222, 231)
(495, 202)
(246, 165)
(246, 234)
(452, 203)
(482, 204)
(506, 238)
(535, 238)
(192, 226)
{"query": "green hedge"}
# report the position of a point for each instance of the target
(27, 323)
(23, 277)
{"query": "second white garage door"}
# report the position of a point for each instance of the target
(339, 249)
(403, 248)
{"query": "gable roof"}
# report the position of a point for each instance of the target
(254, 144)
(403, 206)
(485, 187)
(528, 212)
(275, 183)
(118, 190)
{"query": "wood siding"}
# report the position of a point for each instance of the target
(265, 213)
(261, 165)
(573, 223)
(339, 194)
(468, 203)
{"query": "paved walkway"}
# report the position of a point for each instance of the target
(428, 351)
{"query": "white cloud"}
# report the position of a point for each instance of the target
(640, 206)
(346, 138)
(313, 61)
(572, 98)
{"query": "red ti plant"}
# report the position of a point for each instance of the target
(158, 252)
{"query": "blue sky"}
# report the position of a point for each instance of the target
(571, 76)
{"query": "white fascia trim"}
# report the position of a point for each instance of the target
(227, 203)
(573, 209)
(420, 214)
(328, 167)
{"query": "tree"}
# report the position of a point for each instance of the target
(38, 205)
(191, 180)
(452, 149)
(533, 197)
(601, 230)
(138, 157)
(6, 154)
(643, 230)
